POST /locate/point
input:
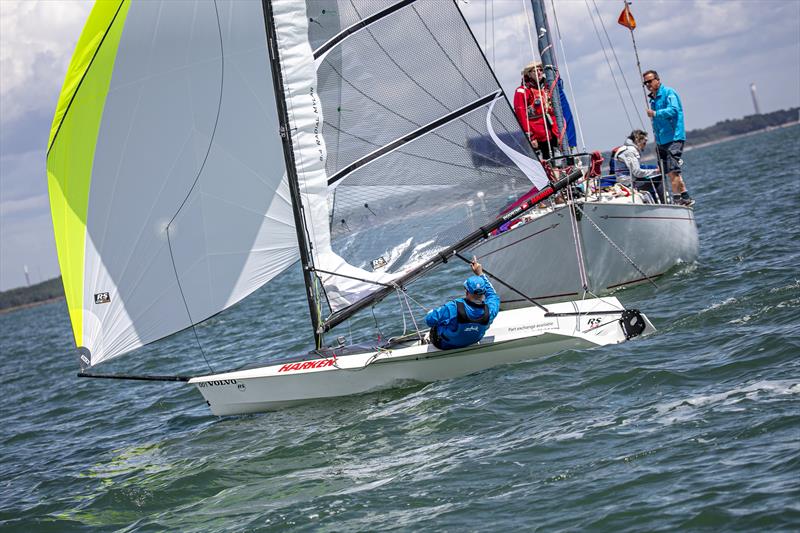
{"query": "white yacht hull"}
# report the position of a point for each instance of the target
(515, 335)
(539, 258)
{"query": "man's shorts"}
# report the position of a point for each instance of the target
(670, 154)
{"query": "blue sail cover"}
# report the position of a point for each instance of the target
(572, 139)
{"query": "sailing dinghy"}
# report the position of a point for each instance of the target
(199, 149)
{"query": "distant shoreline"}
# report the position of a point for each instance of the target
(740, 135)
(691, 147)
(30, 304)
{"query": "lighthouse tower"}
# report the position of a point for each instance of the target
(755, 100)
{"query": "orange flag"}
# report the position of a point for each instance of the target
(626, 18)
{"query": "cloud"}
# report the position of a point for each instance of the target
(709, 50)
(38, 39)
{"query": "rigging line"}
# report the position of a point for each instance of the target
(377, 326)
(617, 248)
(401, 69)
(411, 136)
(402, 311)
(531, 300)
(336, 274)
(425, 309)
(485, 25)
(533, 55)
(194, 184)
(573, 218)
(411, 312)
(186, 306)
(576, 115)
(494, 40)
(538, 84)
(608, 61)
(595, 296)
(528, 25)
(619, 66)
(83, 76)
(450, 59)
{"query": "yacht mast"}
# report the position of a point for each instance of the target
(306, 260)
(548, 61)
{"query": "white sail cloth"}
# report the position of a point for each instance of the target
(305, 118)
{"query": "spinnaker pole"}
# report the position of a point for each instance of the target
(306, 259)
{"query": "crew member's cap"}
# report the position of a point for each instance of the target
(475, 285)
(528, 70)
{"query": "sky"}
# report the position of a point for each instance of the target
(709, 51)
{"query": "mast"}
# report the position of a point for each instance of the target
(306, 259)
(548, 61)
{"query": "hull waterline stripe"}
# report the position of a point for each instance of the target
(347, 32)
(455, 115)
(605, 217)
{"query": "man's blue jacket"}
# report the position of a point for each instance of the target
(452, 333)
(668, 120)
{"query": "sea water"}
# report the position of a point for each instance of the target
(696, 427)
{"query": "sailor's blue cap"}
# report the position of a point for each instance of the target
(475, 285)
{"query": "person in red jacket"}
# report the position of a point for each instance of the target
(533, 106)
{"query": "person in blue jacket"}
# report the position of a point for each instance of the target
(667, 114)
(464, 321)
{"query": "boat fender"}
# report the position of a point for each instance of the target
(464, 319)
(632, 323)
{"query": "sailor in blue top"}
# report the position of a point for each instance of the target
(464, 321)
(667, 114)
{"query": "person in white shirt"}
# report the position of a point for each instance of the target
(628, 169)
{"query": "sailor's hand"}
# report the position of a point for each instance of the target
(476, 267)
(651, 113)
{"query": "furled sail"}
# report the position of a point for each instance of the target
(383, 99)
(165, 169)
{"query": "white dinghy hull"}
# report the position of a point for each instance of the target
(655, 237)
(515, 335)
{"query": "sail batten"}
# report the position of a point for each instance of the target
(339, 37)
(424, 130)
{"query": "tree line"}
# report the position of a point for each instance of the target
(740, 126)
(46, 290)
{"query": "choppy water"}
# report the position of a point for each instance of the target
(696, 427)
